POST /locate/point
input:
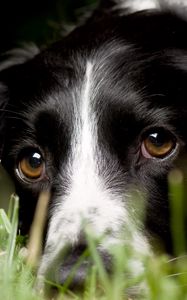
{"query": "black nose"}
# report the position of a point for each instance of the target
(74, 268)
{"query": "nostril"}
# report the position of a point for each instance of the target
(79, 249)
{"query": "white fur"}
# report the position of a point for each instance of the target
(138, 5)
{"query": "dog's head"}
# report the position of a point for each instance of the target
(94, 117)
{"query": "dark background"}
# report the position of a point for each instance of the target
(39, 21)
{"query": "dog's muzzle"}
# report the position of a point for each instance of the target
(72, 270)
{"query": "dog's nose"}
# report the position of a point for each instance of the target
(74, 268)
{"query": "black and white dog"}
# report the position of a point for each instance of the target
(93, 117)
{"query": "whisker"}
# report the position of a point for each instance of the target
(177, 258)
(15, 118)
(9, 111)
(176, 274)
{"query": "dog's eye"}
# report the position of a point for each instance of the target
(158, 143)
(31, 167)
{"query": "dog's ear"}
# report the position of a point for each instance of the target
(10, 62)
(18, 56)
(3, 103)
(129, 6)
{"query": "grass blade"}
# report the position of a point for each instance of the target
(13, 233)
(98, 263)
(176, 191)
(4, 222)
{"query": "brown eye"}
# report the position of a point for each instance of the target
(31, 167)
(158, 144)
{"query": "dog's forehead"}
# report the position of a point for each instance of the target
(102, 89)
(117, 76)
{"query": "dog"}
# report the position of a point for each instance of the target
(92, 118)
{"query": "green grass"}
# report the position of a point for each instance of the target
(162, 278)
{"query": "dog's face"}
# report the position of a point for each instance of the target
(93, 118)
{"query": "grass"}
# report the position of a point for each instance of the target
(162, 277)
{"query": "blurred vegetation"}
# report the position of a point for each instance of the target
(161, 277)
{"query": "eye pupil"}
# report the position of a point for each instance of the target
(35, 160)
(158, 139)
